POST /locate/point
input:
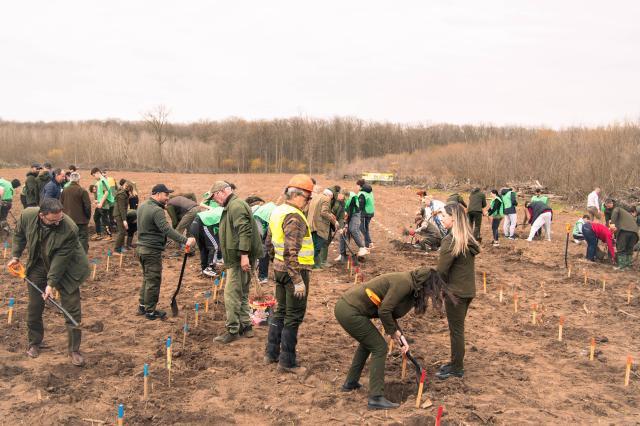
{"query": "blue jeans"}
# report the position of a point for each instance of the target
(354, 231)
(318, 244)
(592, 241)
(364, 228)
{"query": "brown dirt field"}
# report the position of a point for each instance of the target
(516, 372)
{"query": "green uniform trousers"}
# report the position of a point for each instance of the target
(456, 315)
(35, 308)
(370, 341)
(236, 299)
(122, 233)
(83, 236)
(475, 220)
(185, 221)
(290, 309)
(151, 262)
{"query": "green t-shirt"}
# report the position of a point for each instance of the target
(102, 186)
(8, 190)
(211, 217)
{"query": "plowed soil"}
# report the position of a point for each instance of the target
(515, 372)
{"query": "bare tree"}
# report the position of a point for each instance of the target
(157, 120)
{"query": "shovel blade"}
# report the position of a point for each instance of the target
(174, 307)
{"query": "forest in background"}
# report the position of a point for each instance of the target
(569, 161)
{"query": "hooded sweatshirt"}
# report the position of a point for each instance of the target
(458, 271)
(396, 291)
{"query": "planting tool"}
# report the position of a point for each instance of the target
(174, 303)
(17, 270)
(420, 372)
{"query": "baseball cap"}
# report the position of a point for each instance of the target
(36, 165)
(218, 186)
(161, 187)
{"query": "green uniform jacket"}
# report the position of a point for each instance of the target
(623, 220)
(239, 232)
(458, 272)
(477, 201)
(31, 189)
(64, 257)
(153, 228)
(396, 290)
(41, 181)
(121, 204)
(456, 198)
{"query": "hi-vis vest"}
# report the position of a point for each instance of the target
(353, 198)
(276, 222)
(369, 203)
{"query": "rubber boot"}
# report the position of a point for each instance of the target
(272, 352)
(129, 244)
(287, 362)
(74, 336)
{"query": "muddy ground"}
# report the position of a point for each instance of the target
(515, 372)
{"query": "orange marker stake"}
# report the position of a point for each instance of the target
(627, 373)
(501, 294)
(484, 282)
(560, 325)
(515, 302)
(629, 294)
(10, 314)
(534, 314)
(421, 387)
(592, 349)
(404, 366)
(146, 381)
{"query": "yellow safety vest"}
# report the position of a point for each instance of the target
(276, 222)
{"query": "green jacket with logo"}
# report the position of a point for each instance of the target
(66, 262)
(239, 232)
(153, 228)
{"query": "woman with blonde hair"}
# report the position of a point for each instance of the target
(456, 266)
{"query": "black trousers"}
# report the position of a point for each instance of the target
(625, 241)
(456, 315)
(475, 220)
(207, 243)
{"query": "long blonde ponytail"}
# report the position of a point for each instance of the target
(461, 229)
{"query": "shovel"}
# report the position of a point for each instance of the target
(174, 303)
(410, 357)
(17, 270)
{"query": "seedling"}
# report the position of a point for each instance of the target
(627, 373)
(421, 387)
(145, 373)
(10, 314)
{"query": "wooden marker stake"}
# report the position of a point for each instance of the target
(357, 275)
(627, 373)
(629, 294)
(560, 325)
(404, 366)
(121, 259)
(195, 323)
(534, 307)
(515, 302)
(185, 330)
(4, 251)
(569, 272)
(484, 282)
(592, 349)
(10, 314)
(207, 296)
(169, 358)
(390, 346)
(120, 415)
(108, 258)
(604, 285)
(585, 277)
(421, 387)
(145, 373)
(501, 294)
(95, 268)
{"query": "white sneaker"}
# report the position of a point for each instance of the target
(363, 252)
(338, 259)
(264, 281)
(208, 271)
(576, 241)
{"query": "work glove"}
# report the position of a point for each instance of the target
(299, 290)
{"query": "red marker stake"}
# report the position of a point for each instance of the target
(421, 387)
(439, 415)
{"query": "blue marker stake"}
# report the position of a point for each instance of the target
(197, 313)
(10, 315)
(120, 414)
(169, 358)
(145, 372)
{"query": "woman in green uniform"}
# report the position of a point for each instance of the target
(388, 297)
(456, 266)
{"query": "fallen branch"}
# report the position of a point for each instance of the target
(627, 313)
(584, 306)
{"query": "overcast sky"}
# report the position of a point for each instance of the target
(554, 63)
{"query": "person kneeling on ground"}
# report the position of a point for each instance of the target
(577, 229)
(388, 297)
(539, 214)
(623, 224)
(205, 228)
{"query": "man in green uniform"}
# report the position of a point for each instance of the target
(153, 230)
(77, 205)
(477, 204)
(120, 208)
(289, 239)
(626, 230)
(56, 261)
(241, 246)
